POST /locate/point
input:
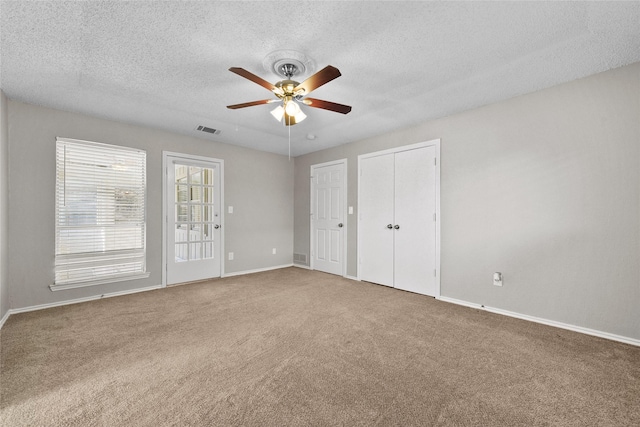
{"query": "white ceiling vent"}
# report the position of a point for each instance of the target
(208, 130)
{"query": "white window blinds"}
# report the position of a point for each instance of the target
(100, 213)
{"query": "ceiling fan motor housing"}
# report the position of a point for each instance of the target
(288, 87)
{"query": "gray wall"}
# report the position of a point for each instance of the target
(258, 185)
(544, 188)
(4, 208)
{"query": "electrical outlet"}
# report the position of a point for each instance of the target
(230, 256)
(273, 251)
(230, 209)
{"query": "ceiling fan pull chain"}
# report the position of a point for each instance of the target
(289, 127)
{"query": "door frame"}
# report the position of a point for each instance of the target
(167, 157)
(344, 212)
(436, 144)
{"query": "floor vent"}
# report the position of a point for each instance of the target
(208, 130)
(300, 258)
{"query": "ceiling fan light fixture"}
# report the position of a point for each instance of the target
(300, 116)
(291, 107)
(278, 113)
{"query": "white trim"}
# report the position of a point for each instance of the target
(99, 144)
(438, 215)
(258, 270)
(461, 302)
(561, 325)
(345, 212)
(4, 318)
(166, 155)
(79, 300)
(436, 144)
(71, 261)
(306, 267)
(127, 278)
(401, 148)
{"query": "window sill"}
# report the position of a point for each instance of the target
(65, 286)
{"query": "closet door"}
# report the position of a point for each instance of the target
(376, 219)
(415, 222)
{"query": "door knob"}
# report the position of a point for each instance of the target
(340, 225)
(389, 226)
(397, 227)
(216, 226)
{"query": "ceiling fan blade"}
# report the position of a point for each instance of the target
(251, 104)
(323, 76)
(327, 105)
(250, 76)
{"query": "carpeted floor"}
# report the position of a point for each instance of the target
(295, 347)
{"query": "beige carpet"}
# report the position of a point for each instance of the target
(296, 347)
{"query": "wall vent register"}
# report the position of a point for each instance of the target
(208, 130)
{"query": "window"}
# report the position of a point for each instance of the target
(100, 213)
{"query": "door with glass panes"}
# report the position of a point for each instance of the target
(193, 220)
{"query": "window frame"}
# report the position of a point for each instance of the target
(61, 260)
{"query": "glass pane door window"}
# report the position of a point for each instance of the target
(194, 212)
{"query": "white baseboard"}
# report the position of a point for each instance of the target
(4, 318)
(547, 322)
(258, 270)
(461, 302)
(307, 267)
(79, 300)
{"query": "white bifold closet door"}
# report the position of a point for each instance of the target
(376, 219)
(397, 220)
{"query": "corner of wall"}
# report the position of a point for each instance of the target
(4, 207)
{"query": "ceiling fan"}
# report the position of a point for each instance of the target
(291, 93)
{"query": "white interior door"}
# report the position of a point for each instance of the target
(415, 221)
(193, 207)
(328, 220)
(376, 219)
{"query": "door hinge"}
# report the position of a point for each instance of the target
(434, 216)
(435, 160)
(435, 273)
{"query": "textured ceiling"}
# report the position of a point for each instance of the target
(165, 64)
